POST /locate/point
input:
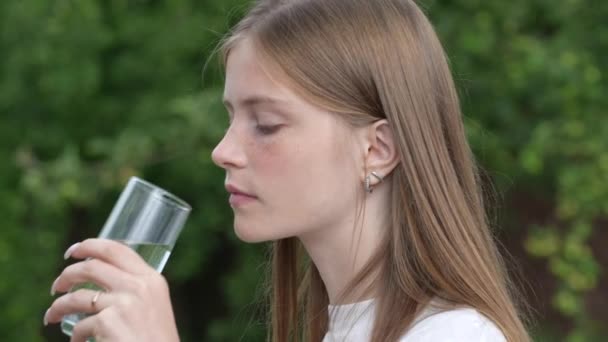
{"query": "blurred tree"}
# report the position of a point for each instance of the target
(534, 81)
(93, 92)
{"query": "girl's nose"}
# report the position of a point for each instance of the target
(229, 152)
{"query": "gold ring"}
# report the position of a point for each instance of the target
(95, 298)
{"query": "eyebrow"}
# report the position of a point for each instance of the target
(254, 100)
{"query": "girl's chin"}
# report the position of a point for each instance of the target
(251, 234)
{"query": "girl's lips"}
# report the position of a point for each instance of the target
(233, 189)
(238, 199)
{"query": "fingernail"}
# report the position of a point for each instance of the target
(53, 286)
(70, 250)
(44, 320)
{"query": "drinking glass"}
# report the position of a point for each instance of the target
(146, 218)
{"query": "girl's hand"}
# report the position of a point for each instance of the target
(135, 305)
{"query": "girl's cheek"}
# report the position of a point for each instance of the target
(267, 155)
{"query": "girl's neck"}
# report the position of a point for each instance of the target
(340, 252)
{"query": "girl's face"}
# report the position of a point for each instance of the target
(291, 167)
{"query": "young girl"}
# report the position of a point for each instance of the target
(346, 149)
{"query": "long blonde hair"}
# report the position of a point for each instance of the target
(368, 60)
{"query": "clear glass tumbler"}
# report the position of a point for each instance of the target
(146, 218)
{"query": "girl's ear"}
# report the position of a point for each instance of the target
(380, 155)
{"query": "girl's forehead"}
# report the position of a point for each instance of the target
(249, 84)
(245, 70)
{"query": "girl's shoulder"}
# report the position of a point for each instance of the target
(455, 325)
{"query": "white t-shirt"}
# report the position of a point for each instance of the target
(354, 322)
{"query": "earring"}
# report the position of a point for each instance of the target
(368, 187)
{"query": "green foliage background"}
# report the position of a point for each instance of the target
(95, 91)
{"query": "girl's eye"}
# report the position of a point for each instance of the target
(267, 130)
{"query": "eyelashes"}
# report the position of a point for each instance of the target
(263, 130)
(267, 129)
(255, 126)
